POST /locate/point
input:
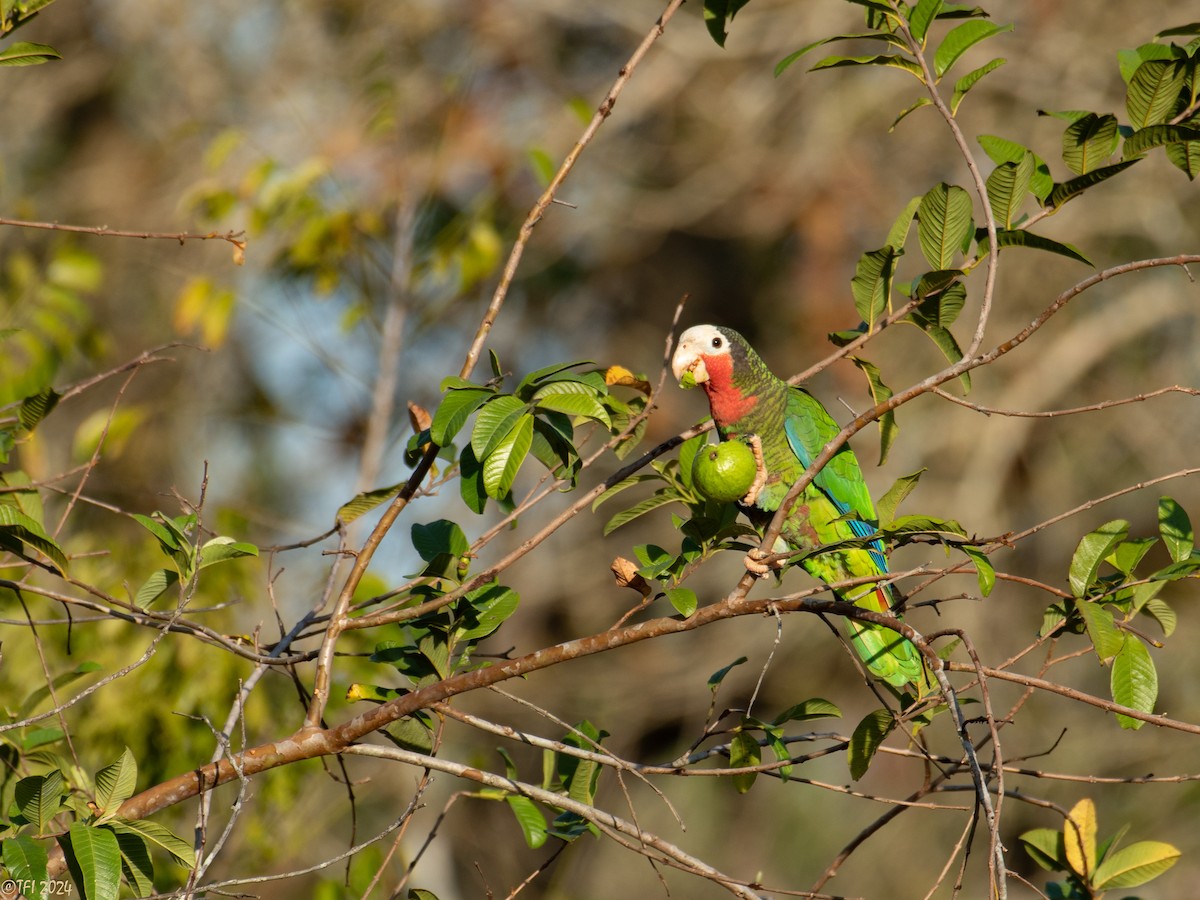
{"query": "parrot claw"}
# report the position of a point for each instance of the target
(760, 474)
(758, 563)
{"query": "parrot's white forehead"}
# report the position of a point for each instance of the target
(705, 338)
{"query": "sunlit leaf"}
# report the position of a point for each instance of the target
(1134, 681)
(943, 222)
(1135, 865)
(1153, 90)
(1091, 551)
(867, 736)
(1175, 528)
(960, 39)
(1079, 838)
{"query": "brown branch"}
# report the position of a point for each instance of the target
(237, 238)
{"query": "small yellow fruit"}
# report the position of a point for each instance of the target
(724, 471)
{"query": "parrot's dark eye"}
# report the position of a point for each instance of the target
(717, 342)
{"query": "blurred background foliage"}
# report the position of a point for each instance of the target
(380, 158)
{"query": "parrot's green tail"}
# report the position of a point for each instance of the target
(887, 654)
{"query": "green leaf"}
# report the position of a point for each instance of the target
(1092, 550)
(1075, 186)
(898, 233)
(494, 423)
(159, 836)
(1185, 157)
(491, 605)
(456, 407)
(891, 500)
(1088, 141)
(35, 408)
(984, 569)
(159, 582)
(538, 376)
(470, 481)
(439, 537)
(1175, 528)
(884, 36)
(94, 858)
(1129, 553)
(39, 798)
(922, 17)
(115, 783)
(880, 393)
(529, 817)
(944, 340)
(867, 736)
(26, 859)
(26, 53)
(1007, 187)
(651, 503)
(943, 223)
(502, 464)
(683, 599)
(1018, 237)
(136, 865)
(421, 894)
(715, 679)
(887, 59)
(918, 104)
(222, 549)
(573, 403)
(1163, 614)
(1046, 848)
(968, 81)
(17, 529)
(744, 752)
(365, 502)
(1135, 865)
(717, 13)
(872, 284)
(1153, 91)
(960, 39)
(1105, 637)
(812, 708)
(1134, 681)
(1156, 136)
(1001, 150)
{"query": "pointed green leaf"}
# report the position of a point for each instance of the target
(872, 284)
(502, 464)
(573, 404)
(1092, 550)
(1163, 614)
(1075, 186)
(867, 736)
(94, 858)
(365, 502)
(744, 752)
(884, 36)
(1088, 141)
(136, 865)
(1134, 681)
(27, 53)
(1018, 237)
(19, 529)
(470, 481)
(39, 798)
(494, 423)
(529, 817)
(1105, 637)
(158, 836)
(1175, 528)
(683, 599)
(968, 81)
(34, 409)
(439, 537)
(546, 372)
(223, 548)
(1045, 847)
(1153, 90)
(880, 393)
(960, 39)
(1001, 150)
(898, 233)
(891, 500)
(944, 340)
(454, 410)
(1185, 157)
(115, 783)
(1129, 553)
(715, 679)
(1156, 136)
(1135, 865)
(651, 503)
(26, 859)
(491, 606)
(918, 104)
(812, 708)
(943, 223)
(984, 569)
(922, 17)
(889, 60)
(1007, 188)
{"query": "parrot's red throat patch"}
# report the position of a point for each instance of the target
(725, 399)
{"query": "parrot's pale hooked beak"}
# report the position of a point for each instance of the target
(689, 369)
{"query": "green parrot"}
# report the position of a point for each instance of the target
(788, 428)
